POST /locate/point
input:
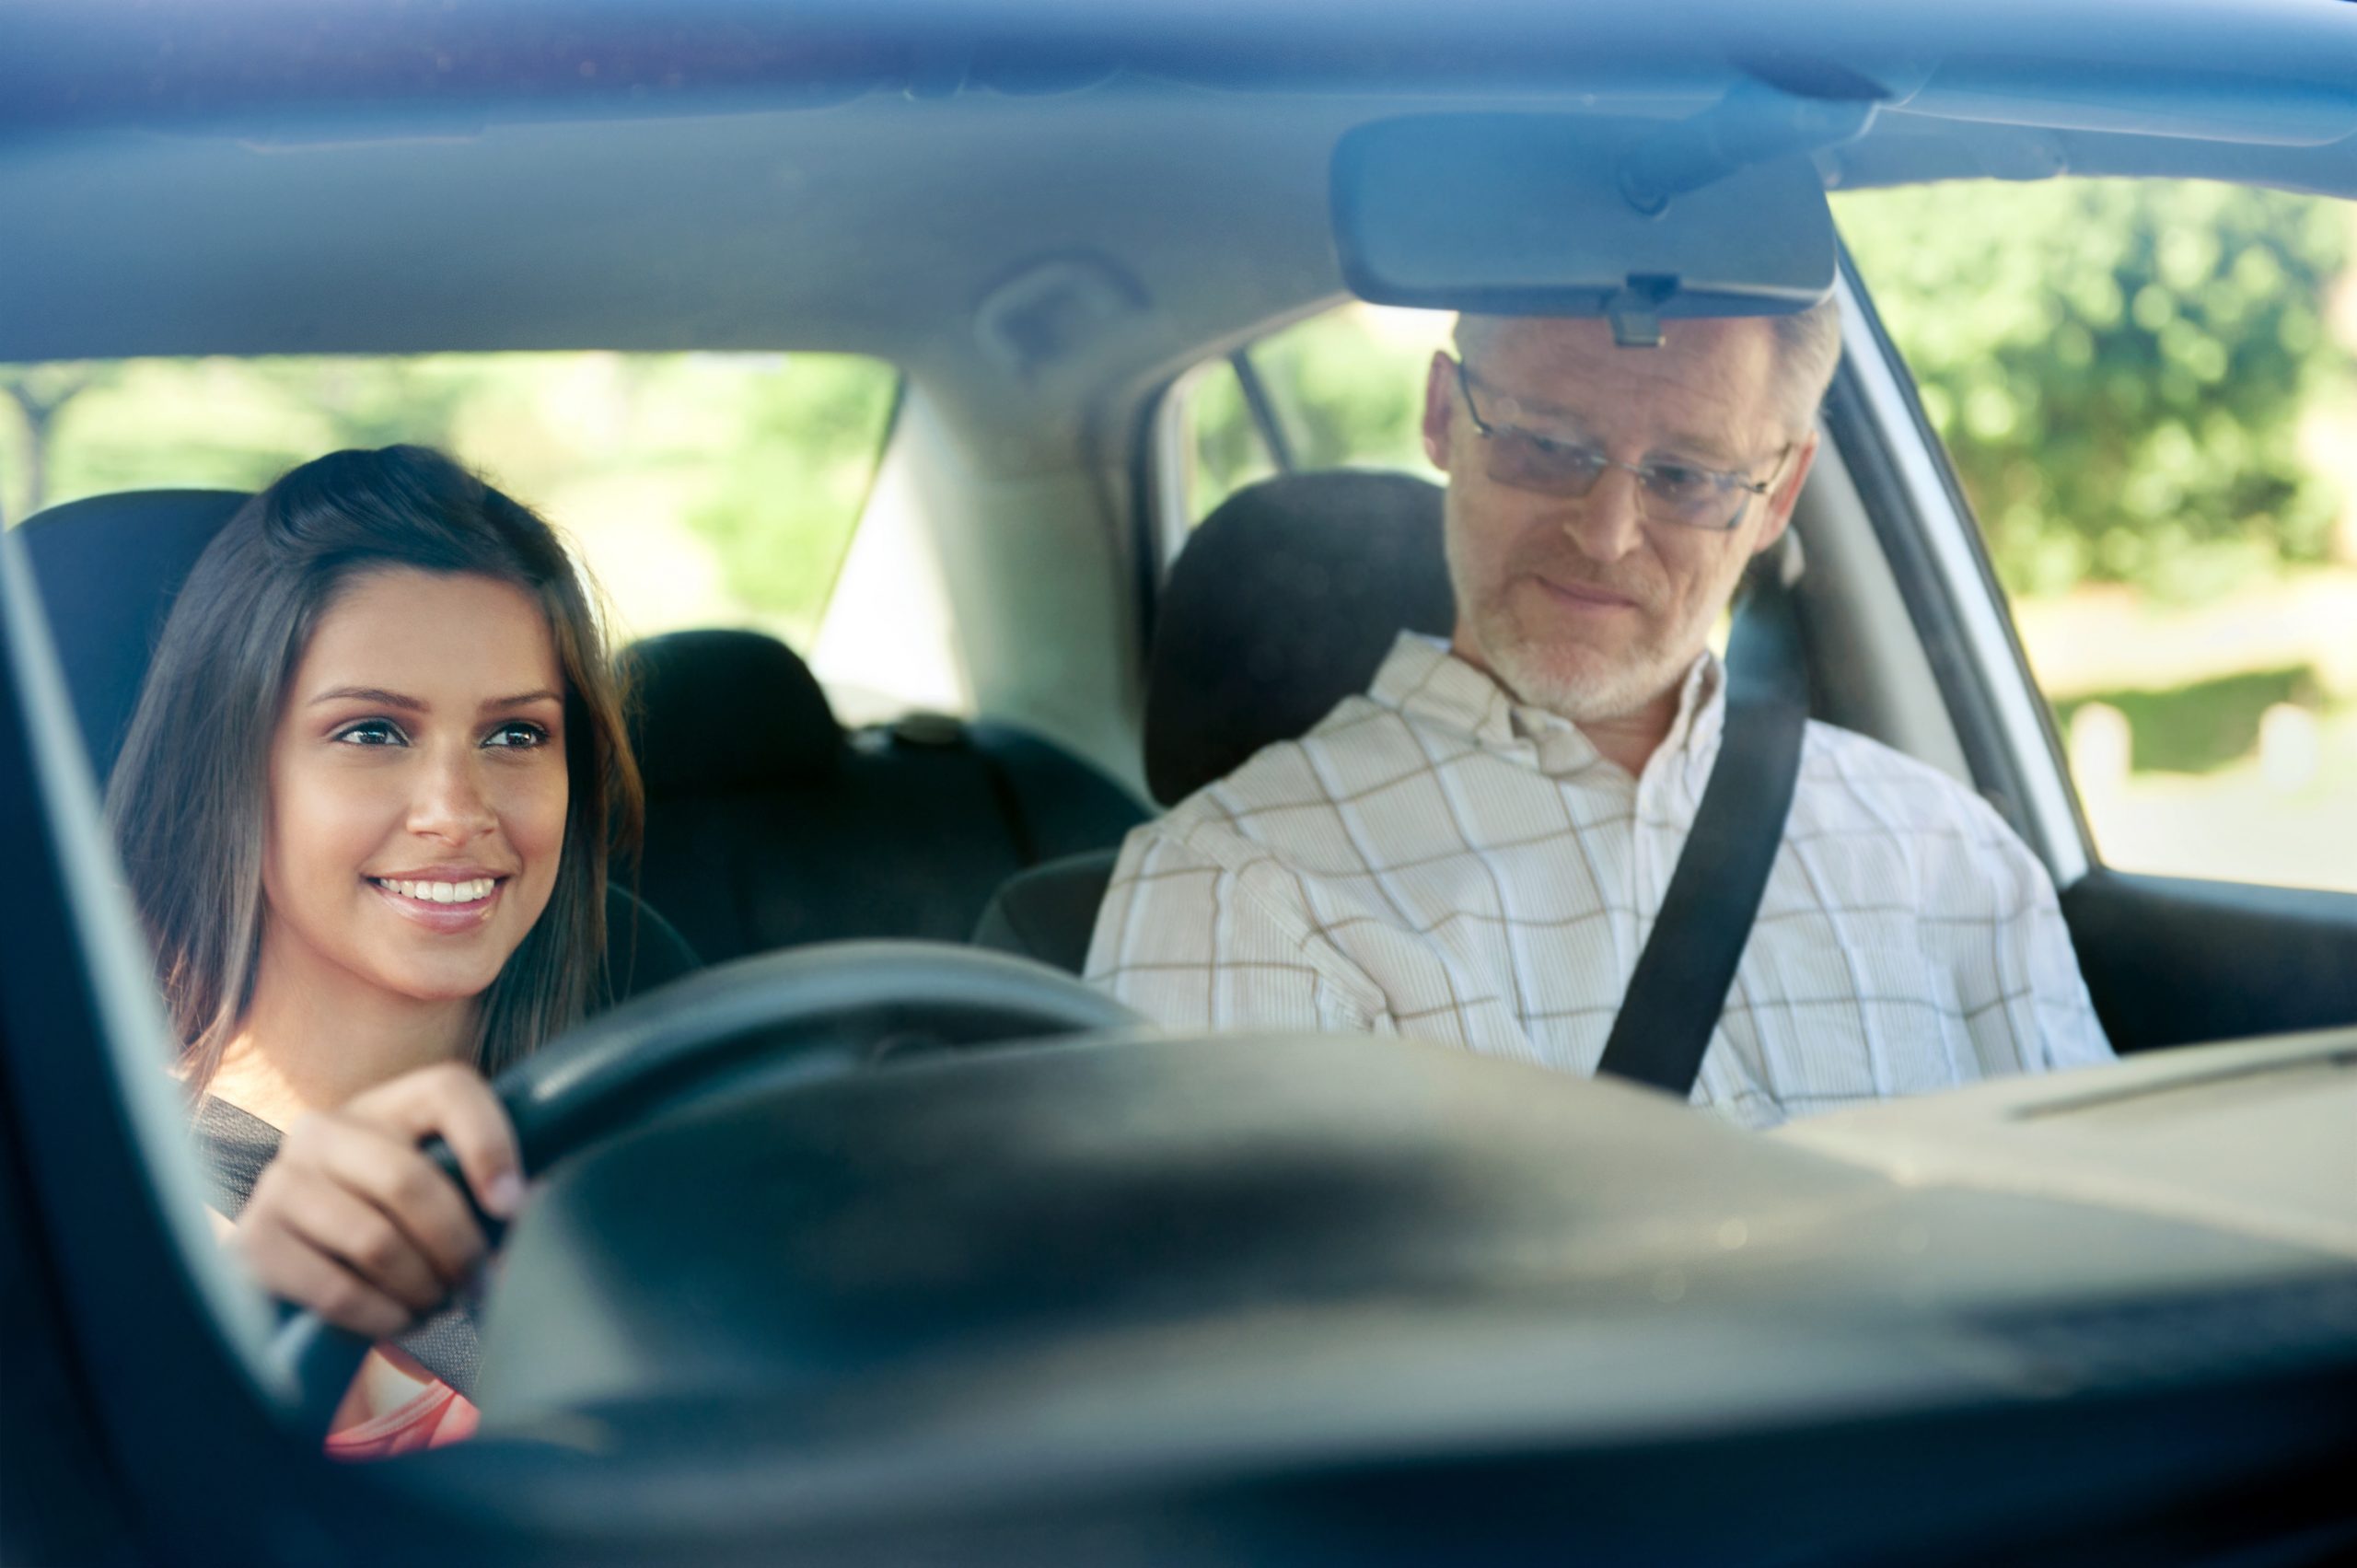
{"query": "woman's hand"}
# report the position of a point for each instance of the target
(352, 1222)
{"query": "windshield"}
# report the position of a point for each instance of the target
(1110, 812)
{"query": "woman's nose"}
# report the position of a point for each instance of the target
(451, 802)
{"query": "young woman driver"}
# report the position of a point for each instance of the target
(364, 807)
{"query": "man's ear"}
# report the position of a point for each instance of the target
(1440, 402)
(1787, 493)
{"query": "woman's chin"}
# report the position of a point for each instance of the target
(438, 984)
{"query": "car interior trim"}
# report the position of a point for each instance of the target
(128, 1011)
(2052, 820)
(1867, 670)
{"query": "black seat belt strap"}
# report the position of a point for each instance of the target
(1680, 984)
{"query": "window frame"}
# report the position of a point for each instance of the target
(1920, 512)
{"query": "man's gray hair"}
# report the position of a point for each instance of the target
(1809, 346)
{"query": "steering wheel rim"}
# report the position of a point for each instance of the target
(811, 1014)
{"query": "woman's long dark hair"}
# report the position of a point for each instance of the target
(189, 796)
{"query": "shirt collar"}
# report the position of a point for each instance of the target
(1423, 680)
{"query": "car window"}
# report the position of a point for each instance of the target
(1344, 387)
(703, 489)
(2145, 389)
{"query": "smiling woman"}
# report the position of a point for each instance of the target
(365, 809)
(415, 833)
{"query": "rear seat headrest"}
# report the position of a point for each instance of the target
(1283, 603)
(108, 568)
(721, 710)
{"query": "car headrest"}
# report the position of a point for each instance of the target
(720, 710)
(109, 569)
(1283, 603)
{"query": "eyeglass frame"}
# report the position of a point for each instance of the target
(1727, 479)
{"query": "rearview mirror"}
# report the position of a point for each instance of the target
(1636, 221)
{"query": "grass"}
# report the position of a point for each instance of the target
(2202, 726)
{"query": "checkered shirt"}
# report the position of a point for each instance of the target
(1434, 859)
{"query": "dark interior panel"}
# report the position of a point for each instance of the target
(2174, 961)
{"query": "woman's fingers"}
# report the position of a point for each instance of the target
(409, 1206)
(456, 1103)
(348, 1230)
(351, 1220)
(294, 1270)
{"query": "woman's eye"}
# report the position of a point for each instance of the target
(517, 734)
(370, 732)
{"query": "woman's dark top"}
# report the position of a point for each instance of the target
(235, 1145)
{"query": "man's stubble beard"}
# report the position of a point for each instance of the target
(1522, 663)
(1535, 675)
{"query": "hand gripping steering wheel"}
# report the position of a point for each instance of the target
(811, 1014)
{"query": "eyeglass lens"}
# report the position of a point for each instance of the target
(1666, 493)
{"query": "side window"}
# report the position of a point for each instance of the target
(1345, 389)
(1228, 449)
(2146, 389)
(702, 489)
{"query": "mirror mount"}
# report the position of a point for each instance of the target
(1754, 123)
(1635, 311)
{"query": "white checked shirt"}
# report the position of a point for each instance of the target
(1434, 859)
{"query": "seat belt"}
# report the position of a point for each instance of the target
(1680, 984)
(236, 1145)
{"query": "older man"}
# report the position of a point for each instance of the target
(1475, 851)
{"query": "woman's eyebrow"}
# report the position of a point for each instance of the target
(376, 694)
(522, 699)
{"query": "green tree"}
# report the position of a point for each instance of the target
(780, 519)
(237, 424)
(39, 394)
(1348, 396)
(2119, 367)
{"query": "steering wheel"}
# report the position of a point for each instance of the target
(808, 1015)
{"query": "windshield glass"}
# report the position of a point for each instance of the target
(2146, 389)
(1124, 821)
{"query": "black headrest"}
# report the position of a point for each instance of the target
(726, 710)
(108, 568)
(1283, 603)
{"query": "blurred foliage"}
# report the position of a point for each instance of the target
(1350, 395)
(781, 514)
(1229, 453)
(2119, 368)
(767, 457)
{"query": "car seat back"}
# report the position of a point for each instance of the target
(1284, 603)
(769, 825)
(108, 568)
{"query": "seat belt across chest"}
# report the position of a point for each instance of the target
(1682, 978)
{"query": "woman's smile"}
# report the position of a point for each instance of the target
(443, 902)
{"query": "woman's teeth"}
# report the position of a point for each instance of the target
(441, 892)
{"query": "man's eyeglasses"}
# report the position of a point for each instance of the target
(1683, 494)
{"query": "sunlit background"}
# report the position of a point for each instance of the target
(2146, 387)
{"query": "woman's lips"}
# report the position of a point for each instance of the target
(442, 917)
